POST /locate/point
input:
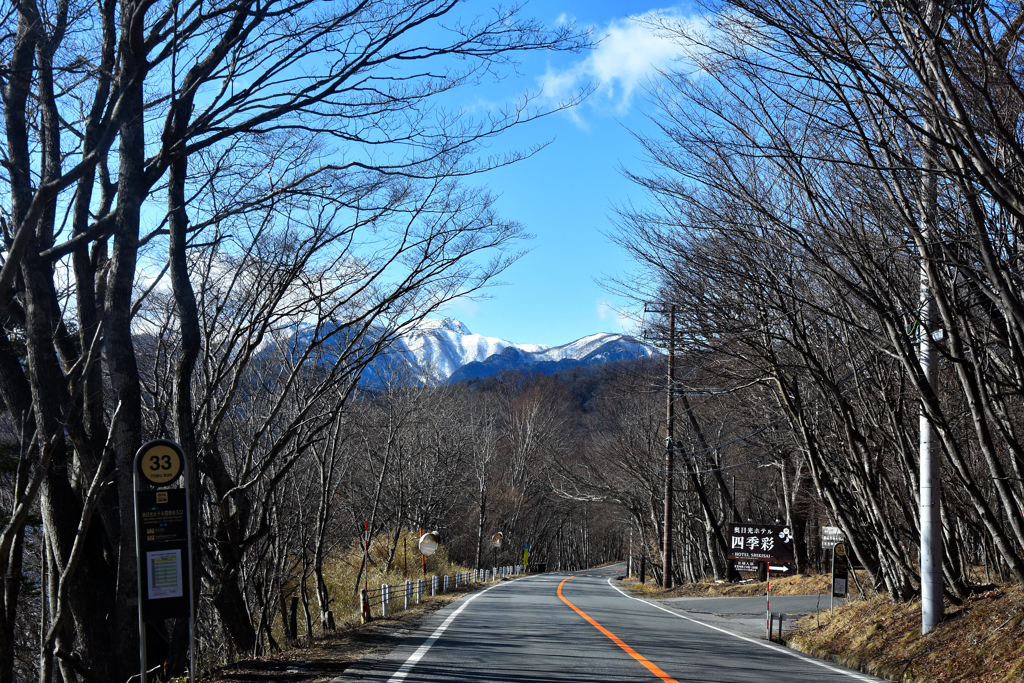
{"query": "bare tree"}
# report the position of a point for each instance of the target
(192, 140)
(793, 197)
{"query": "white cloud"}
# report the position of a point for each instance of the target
(630, 52)
(621, 320)
(463, 308)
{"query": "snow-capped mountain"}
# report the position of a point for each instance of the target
(591, 350)
(440, 347)
(447, 350)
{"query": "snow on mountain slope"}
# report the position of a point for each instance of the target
(578, 348)
(445, 350)
(439, 348)
(592, 350)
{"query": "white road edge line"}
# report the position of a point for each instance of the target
(770, 646)
(422, 650)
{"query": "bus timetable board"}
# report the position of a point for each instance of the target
(840, 571)
(161, 517)
(163, 543)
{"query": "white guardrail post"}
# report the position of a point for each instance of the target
(384, 599)
(419, 590)
(408, 592)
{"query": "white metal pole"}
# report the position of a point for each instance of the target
(138, 577)
(931, 523)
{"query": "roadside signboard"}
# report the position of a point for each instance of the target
(746, 566)
(840, 571)
(162, 532)
(830, 535)
(163, 541)
(761, 543)
(162, 519)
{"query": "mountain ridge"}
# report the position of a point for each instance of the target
(445, 350)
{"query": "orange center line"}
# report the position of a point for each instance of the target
(653, 668)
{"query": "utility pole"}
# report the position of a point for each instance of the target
(930, 490)
(735, 512)
(930, 487)
(666, 575)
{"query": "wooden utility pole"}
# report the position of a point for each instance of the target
(666, 576)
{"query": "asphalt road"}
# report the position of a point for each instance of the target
(523, 631)
(747, 615)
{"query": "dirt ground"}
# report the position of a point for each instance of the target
(979, 641)
(328, 657)
(800, 584)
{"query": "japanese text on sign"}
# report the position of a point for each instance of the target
(760, 543)
(830, 535)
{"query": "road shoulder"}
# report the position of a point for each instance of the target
(330, 657)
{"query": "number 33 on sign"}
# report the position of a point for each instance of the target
(160, 465)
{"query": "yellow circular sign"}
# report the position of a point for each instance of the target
(840, 549)
(160, 464)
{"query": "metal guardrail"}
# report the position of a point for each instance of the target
(389, 599)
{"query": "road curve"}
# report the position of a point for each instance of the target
(559, 627)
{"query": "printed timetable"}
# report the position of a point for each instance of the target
(164, 574)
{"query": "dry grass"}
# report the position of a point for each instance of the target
(328, 657)
(981, 641)
(342, 567)
(801, 584)
(323, 656)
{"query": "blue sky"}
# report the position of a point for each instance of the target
(566, 194)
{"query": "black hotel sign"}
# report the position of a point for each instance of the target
(761, 543)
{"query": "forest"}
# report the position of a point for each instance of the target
(835, 197)
(217, 216)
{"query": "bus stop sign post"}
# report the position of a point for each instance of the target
(163, 541)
